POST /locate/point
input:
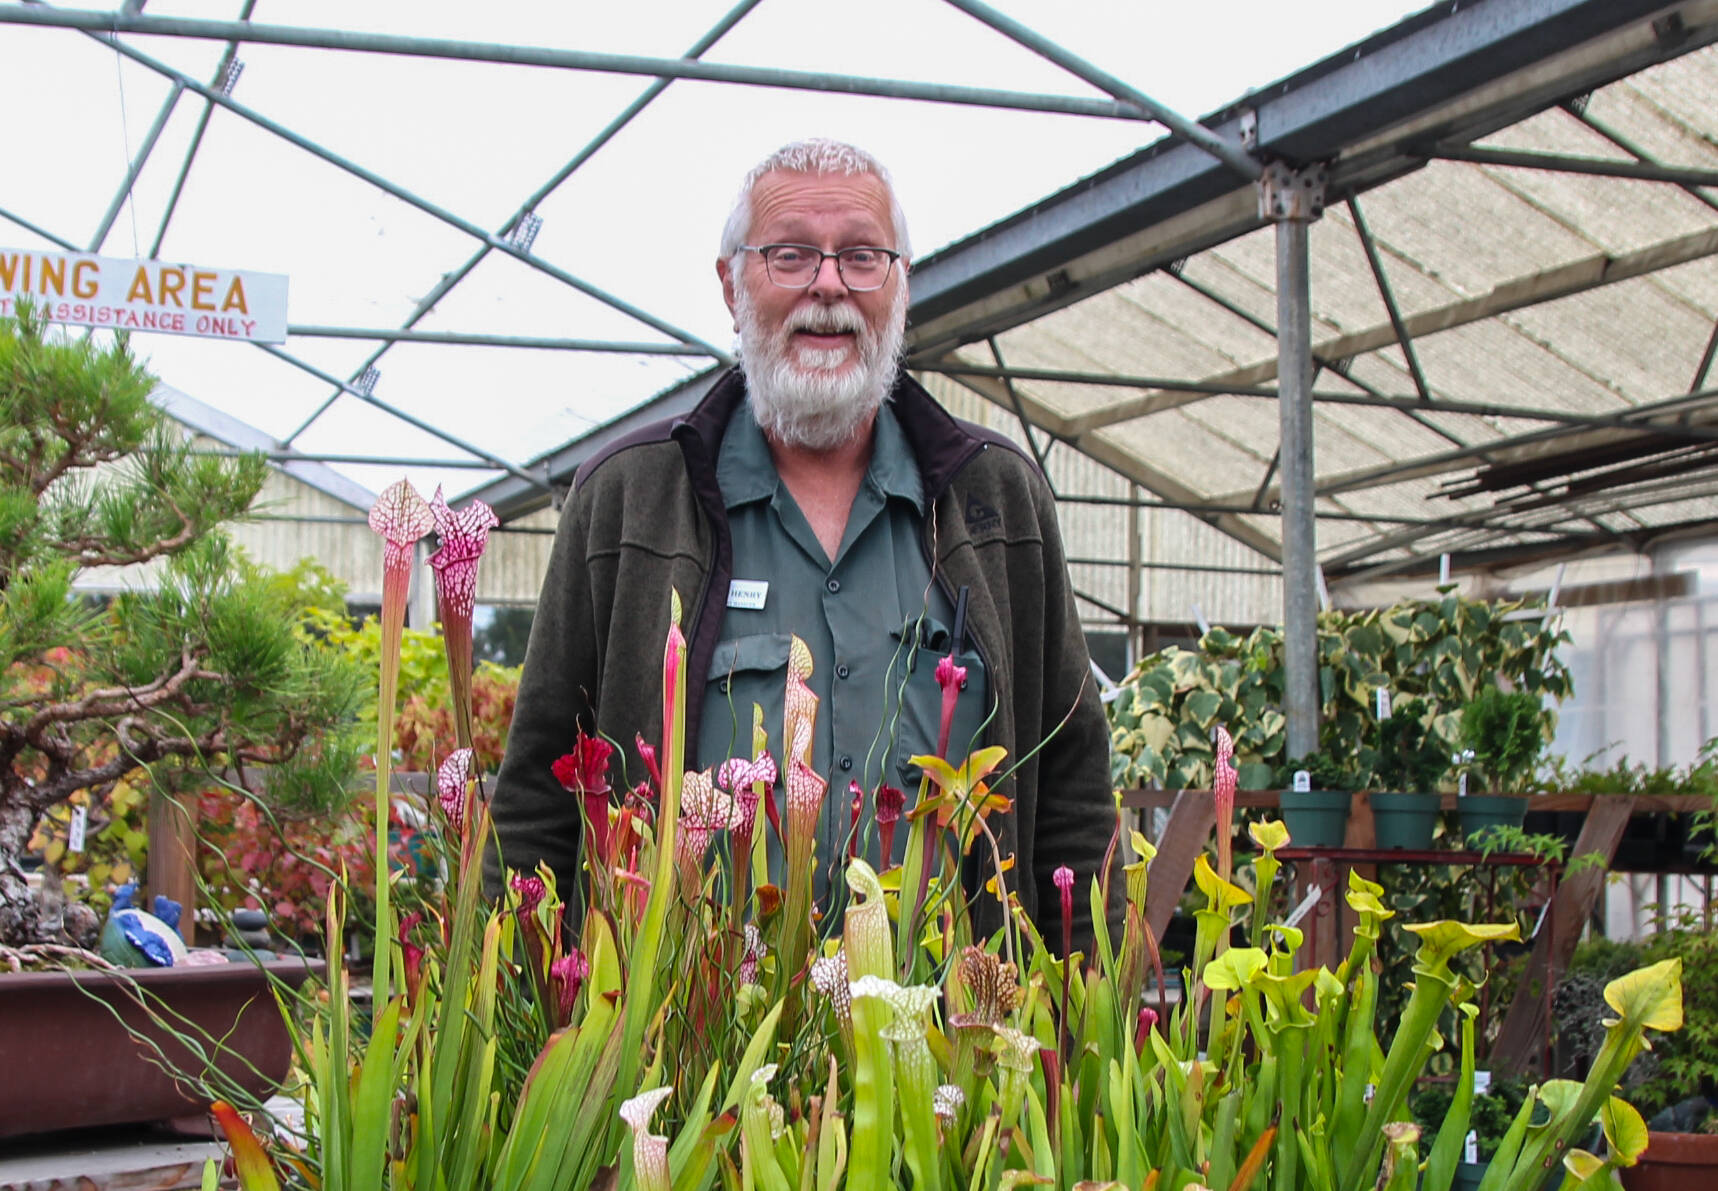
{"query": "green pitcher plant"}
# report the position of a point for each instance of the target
(699, 1024)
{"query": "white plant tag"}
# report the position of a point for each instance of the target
(1305, 907)
(79, 825)
(1302, 781)
(748, 593)
(1382, 695)
(1470, 1152)
(1461, 785)
(1481, 1082)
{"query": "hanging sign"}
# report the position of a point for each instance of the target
(127, 295)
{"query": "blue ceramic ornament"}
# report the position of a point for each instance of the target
(133, 938)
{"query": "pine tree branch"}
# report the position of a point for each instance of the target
(114, 701)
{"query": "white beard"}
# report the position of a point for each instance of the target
(797, 397)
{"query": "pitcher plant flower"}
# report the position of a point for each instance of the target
(1223, 778)
(464, 536)
(649, 1150)
(401, 517)
(891, 801)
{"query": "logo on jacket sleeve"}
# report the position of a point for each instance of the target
(980, 517)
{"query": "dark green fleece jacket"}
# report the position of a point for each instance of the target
(646, 518)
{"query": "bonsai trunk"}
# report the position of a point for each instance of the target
(20, 914)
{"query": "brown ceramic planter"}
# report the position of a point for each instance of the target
(1675, 1162)
(72, 1061)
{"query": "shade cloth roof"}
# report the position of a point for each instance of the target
(1532, 185)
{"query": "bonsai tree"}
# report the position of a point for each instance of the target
(1506, 731)
(202, 670)
(1409, 755)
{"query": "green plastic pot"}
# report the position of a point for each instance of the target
(1468, 1175)
(1405, 821)
(1481, 811)
(1316, 818)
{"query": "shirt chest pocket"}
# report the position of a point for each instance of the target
(743, 671)
(922, 701)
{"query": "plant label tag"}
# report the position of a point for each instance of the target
(1383, 697)
(1481, 1082)
(75, 832)
(1470, 1152)
(748, 593)
(1302, 782)
(1461, 785)
(1305, 907)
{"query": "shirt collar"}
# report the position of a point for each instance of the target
(746, 472)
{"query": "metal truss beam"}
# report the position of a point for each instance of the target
(608, 132)
(1451, 71)
(135, 168)
(1126, 464)
(235, 30)
(1403, 339)
(391, 335)
(1205, 509)
(1020, 413)
(1545, 521)
(512, 497)
(541, 56)
(1453, 460)
(1576, 277)
(1602, 167)
(1202, 568)
(1229, 152)
(1074, 427)
(227, 58)
(362, 460)
(412, 420)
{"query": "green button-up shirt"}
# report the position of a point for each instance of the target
(861, 615)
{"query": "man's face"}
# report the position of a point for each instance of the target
(820, 360)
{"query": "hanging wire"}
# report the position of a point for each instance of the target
(125, 145)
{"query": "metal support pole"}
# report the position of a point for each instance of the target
(1135, 559)
(1292, 199)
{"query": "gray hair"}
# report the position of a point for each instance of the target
(814, 156)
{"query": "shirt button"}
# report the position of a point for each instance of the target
(846, 763)
(842, 671)
(834, 585)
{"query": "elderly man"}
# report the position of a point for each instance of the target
(818, 491)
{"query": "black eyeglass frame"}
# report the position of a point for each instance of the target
(763, 250)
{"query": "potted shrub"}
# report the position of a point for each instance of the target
(1505, 733)
(1406, 764)
(1317, 817)
(203, 669)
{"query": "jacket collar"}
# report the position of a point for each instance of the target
(941, 443)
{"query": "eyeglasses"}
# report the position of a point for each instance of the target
(795, 266)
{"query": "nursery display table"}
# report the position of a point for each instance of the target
(1327, 926)
(1522, 1035)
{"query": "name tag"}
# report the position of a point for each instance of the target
(748, 593)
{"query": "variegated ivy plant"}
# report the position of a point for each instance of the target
(1446, 650)
(709, 1028)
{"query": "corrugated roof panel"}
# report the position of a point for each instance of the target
(1652, 365)
(1452, 224)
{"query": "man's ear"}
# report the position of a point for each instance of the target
(725, 271)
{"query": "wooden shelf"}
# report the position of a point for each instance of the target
(1264, 799)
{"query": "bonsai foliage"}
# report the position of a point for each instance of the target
(1507, 731)
(200, 669)
(1445, 650)
(702, 1026)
